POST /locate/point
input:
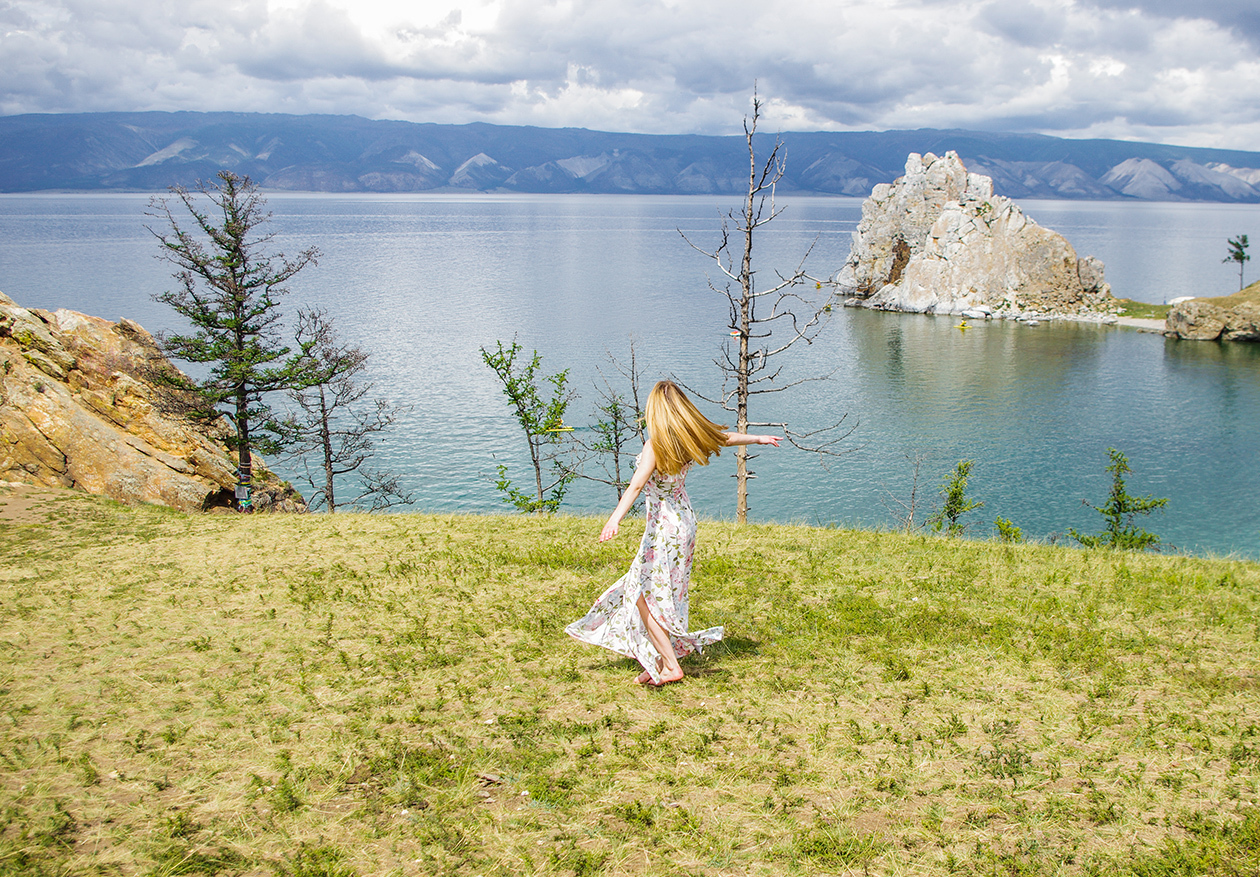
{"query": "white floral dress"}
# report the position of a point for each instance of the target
(661, 572)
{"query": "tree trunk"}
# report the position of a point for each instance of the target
(745, 327)
(536, 453)
(326, 438)
(244, 475)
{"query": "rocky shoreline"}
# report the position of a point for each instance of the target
(1027, 317)
(1227, 318)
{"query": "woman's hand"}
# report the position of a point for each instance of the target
(735, 439)
(642, 472)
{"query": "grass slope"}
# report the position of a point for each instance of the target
(1248, 296)
(393, 694)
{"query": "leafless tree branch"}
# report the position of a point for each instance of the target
(787, 316)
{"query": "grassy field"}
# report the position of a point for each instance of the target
(1143, 310)
(393, 694)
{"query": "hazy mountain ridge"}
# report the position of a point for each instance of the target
(150, 151)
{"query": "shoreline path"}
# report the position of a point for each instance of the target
(1145, 324)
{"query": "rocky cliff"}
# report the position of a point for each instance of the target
(1227, 318)
(939, 241)
(76, 410)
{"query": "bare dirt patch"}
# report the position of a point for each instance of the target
(29, 504)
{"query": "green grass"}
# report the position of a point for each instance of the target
(1142, 310)
(1250, 295)
(393, 694)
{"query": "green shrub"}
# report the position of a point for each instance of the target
(955, 503)
(1119, 511)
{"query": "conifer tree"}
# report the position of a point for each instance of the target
(229, 290)
(954, 501)
(1119, 511)
(1238, 253)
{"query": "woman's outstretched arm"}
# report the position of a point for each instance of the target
(739, 438)
(647, 465)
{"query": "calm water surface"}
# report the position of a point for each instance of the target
(423, 281)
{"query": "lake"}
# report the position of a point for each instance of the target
(422, 282)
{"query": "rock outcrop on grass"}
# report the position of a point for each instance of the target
(77, 409)
(1228, 318)
(939, 241)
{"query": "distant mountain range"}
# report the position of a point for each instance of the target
(150, 151)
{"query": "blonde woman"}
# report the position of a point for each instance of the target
(644, 615)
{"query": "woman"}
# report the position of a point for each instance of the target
(644, 615)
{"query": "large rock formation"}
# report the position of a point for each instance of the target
(77, 411)
(939, 241)
(1228, 318)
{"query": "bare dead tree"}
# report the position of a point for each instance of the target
(905, 511)
(335, 422)
(763, 322)
(618, 426)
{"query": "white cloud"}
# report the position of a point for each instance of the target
(1070, 67)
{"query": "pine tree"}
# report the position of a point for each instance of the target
(229, 290)
(1119, 511)
(954, 501)
(1238, 253)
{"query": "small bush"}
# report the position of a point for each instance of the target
(1008, 532)
(826, 845)
(955, 503)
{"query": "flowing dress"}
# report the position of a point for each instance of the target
(661, 572)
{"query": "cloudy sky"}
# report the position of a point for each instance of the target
(1171, 71)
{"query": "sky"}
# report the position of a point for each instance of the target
(1165, 71)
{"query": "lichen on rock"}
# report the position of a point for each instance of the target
(78, 409)
(938, 240)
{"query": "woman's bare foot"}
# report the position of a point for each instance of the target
(669, 676)
(643, 678)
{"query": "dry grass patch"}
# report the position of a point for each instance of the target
(393, 694)
(1247, 296)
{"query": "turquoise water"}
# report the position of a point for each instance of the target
(423, 282)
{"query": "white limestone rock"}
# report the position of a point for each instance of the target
(939, 241)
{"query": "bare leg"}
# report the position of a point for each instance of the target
(669, 670)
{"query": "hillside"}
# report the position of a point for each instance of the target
(1247, 296)
(150, 151)
(354, 694)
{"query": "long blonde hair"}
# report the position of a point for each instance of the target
(680, 433)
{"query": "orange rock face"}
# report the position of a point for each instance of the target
(77, 409)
